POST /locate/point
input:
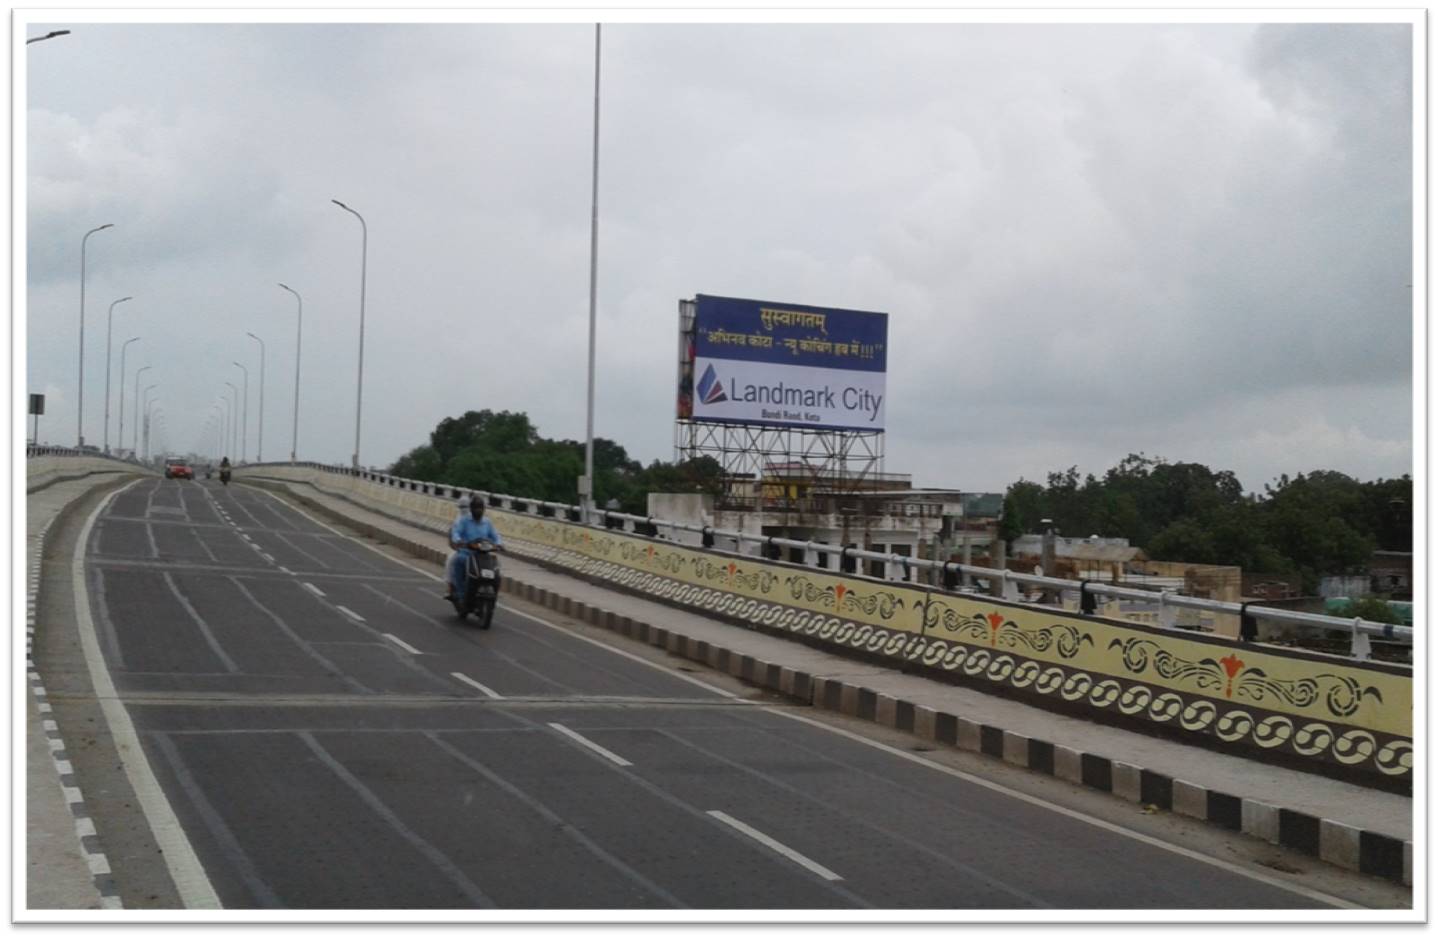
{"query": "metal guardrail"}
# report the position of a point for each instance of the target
(1360, 630)
(32, 452)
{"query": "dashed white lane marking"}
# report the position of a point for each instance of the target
(405, 645)
(475, 684)
(352, 614)
(617, 760)
(287, 570)
(269, 558)
(774, 845)
(313, 589)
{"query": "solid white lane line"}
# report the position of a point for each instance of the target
(774, 845)
(475, 684)
(313, 589)
(407, 647)
(1076, 815)
(350, 612)
(184, 866)
(617, 760)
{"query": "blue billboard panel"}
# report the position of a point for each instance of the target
(787, 364)
(790, 334)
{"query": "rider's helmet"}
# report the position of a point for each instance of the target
(476, 508)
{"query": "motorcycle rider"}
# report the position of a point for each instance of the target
(467, 528)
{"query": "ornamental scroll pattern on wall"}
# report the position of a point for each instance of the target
(1315, 707)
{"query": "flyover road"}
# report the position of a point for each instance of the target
(320, 732)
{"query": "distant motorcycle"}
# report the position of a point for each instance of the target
(225, 476)
(481, 583)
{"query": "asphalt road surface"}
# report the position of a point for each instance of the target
(327, 735)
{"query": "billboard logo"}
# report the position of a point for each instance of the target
(711, 389)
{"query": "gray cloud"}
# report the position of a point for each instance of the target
(1190, 240)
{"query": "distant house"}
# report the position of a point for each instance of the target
(1390, 572)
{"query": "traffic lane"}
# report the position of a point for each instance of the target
(140, 538)
(228, 632)
(899, 835)
(1053, 855)
(514, 657)
(277, 823)
(515, 816)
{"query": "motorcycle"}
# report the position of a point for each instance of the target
(225, 476)
(481, 583)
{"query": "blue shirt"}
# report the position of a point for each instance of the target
(466, 529)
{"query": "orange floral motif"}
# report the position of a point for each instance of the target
(995, 621)
(1232, 664)
(838, 595)
(732, 569)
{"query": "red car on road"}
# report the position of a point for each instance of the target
(178, 469)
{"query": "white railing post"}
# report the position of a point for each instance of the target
(1360, 647)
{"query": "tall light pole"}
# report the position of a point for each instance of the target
(80, 408)
(156, 424)
(234, 419)
(109, 328)
(135, 445)
(359, 384)
(245, 419)
(146, 411)
(586, 485)
(260, 443)
(120, 436)
(148, 418)
(224, 425)
(299, 324)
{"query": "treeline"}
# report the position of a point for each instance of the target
(1313, 525)
(503, 452)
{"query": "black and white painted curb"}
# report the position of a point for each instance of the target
(90, 847)
(1333, 842)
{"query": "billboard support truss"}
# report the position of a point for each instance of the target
(834, 461)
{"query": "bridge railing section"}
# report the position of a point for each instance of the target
(1345, 716)
(997, 582)
(46, 465)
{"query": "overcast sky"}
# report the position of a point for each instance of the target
(1193, 241)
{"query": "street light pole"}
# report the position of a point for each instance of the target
(245, 420)
(120, 436)
(146, 411)
(109, 328)
(224, 425)
(148, 418)
(135, 445)
(359, 384)
(80, 404)
(299, 324)
(586, 494)
(234, 419)
(260, 444)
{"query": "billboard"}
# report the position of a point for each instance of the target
(783, 364)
